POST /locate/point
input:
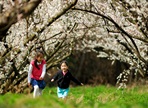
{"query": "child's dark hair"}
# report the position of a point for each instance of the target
(38, 53)
(64, 61)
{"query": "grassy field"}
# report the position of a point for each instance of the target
(81, 97)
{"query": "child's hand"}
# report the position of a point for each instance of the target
(40, 78)
(29, 85)
(82, 84)
(52, 80)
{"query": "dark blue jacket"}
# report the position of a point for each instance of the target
(63, 81)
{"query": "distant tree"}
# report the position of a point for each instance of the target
(117, 30)
(23, 33)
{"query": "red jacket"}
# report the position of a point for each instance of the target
(36, 73)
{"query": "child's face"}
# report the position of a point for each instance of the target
(64, 67)
(40, 58)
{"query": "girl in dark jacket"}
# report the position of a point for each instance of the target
(63, 78)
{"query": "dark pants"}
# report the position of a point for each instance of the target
(40, 83)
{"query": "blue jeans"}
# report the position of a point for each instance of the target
(40, 83)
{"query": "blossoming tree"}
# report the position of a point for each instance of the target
(116, 30)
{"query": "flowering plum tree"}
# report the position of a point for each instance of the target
(115, 29)
(20, 39)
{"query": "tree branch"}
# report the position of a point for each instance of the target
(118, 27)
(13, 15)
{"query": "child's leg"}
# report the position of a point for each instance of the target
(36, 91)
(40, 91)
(41, 85)
(59, 92)
(62, 93)
(65, 92)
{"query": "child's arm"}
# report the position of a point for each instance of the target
(55, 77)
(75, 80)
(29, 74)
(43, 72)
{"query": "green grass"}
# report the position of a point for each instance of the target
(80, 97)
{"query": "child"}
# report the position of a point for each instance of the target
(63, 78)
(36, 73)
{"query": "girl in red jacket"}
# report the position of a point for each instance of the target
(36, 73)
